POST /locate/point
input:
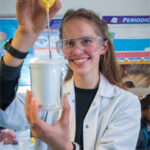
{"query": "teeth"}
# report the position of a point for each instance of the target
(79, 60)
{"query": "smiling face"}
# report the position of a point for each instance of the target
(80, 60)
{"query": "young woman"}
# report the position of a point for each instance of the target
(97, 113)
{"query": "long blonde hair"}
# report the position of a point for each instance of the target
(108, 65)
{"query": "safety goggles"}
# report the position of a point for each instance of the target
(87, 43)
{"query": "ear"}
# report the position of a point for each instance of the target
(105, 47)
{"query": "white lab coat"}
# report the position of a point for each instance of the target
(111, 123)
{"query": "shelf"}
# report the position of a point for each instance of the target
(134, 62)
(133, 57)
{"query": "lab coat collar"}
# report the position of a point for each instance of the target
(106, 89)
(104, 86)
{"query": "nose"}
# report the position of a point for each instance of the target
(78, 48)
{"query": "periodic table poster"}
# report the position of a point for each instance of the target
(131, 38)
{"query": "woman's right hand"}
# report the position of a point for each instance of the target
(31, 15)
(32, 19)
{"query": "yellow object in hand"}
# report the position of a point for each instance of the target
(32, 140)
(47, 4)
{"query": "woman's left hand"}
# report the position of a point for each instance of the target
(57, 136)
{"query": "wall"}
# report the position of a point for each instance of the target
(103, 7)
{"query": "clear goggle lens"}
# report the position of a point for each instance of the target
(88, 43)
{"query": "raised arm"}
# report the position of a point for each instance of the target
(31, 21)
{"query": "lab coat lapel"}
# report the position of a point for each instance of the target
(69, 91)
